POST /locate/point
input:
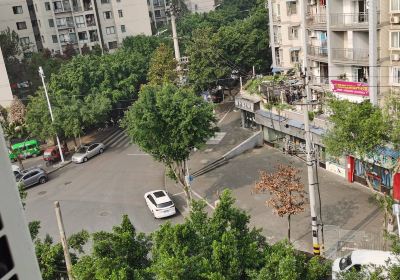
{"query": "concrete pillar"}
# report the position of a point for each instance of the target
(373, 51)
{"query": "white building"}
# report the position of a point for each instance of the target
(54, 24)
(17, 256)
(350, 49)
(5, 90)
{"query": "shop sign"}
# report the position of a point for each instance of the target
(382, 160)
(244, 104)
(355, 88)
(338, 170)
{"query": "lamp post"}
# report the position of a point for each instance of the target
(41, 73)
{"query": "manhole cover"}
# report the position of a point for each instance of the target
(42, 193)
(67, 183)
(104, 213)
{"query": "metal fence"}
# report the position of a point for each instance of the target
(349, 19)
(339, 242)
(350, 54)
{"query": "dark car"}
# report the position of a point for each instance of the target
(217, 95)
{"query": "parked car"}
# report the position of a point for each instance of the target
(363, 259)
(87, 151)
(31, 176)
(52, 154)
(160, 204)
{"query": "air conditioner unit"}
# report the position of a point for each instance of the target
(395, 19)
(396, 57)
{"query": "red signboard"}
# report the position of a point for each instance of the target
(356, 88)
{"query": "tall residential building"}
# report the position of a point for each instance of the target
(54, 24)
(348, 44)
(5, 89)
(17, 255)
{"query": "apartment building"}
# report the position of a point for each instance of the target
(5, 89)
(54, 24)
(352, 47)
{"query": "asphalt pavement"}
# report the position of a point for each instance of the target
(95, 195)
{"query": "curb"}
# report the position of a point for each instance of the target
(59, 167)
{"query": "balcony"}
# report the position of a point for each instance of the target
(318, 52)
(317, 20)
(350, 56)
(320, 82)
(349, 21)
(277, 39)
(66, 25)
(276, 18)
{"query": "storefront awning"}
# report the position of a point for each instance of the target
(294, 49)
(388, 152)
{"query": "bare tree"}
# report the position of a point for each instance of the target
(286, 190)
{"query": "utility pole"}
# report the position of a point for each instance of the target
(373, 51)
(41, 73)
(310, 160)
(64, 242)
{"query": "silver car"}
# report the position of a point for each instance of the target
(31, 177)
(87, 151)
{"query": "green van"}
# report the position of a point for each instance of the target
(30, 148)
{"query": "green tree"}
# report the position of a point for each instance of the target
(168, 122)
(206, 61)
(9, 43)
(117, 255)
(162, 66)
(357, 128)
(222, 246)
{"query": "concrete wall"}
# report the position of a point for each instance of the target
(254, 141)
(5, 90)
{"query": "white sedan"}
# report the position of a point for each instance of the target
(160, 204)
(87, 151)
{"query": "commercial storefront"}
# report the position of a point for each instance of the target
(248, 104)
(376, 168)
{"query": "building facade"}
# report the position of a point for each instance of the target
(352, 47)
(5, 89)
(54, 24)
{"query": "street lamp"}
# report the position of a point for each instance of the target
(41, 73)
(396, 212)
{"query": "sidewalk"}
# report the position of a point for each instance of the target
(345, 206)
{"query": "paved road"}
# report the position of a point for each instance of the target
(94, 195)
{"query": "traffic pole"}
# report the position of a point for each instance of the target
(64, 242)
(41, 73)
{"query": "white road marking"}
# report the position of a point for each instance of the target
(117, 131)
(122, 143)
(205, 200)
(119, 140)
(226, 114)
(137, 154)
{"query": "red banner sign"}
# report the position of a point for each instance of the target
(356, 88)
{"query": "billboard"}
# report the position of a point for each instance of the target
(356, 88)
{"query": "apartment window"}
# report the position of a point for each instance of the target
(47, 6)
(395, 39)
(291, 8)
(80, 21)
(61, 22)
(43, 39)
(294, 56)
(17, 10)
(24, 41)
(93, 36)
(82, 36)
(51, 22)
(107, 15)
(112, 45)
(157, 13)
(90, 21)
(64, 38)
(105, 1)
(58, 6)
(293, 32)
(21, 25)
(54, 38)
(396, 76)
(110, 30)
(395, 5)
(120, 14)
(123, 29)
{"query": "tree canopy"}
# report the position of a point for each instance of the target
(357, 128)
(162, 67)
